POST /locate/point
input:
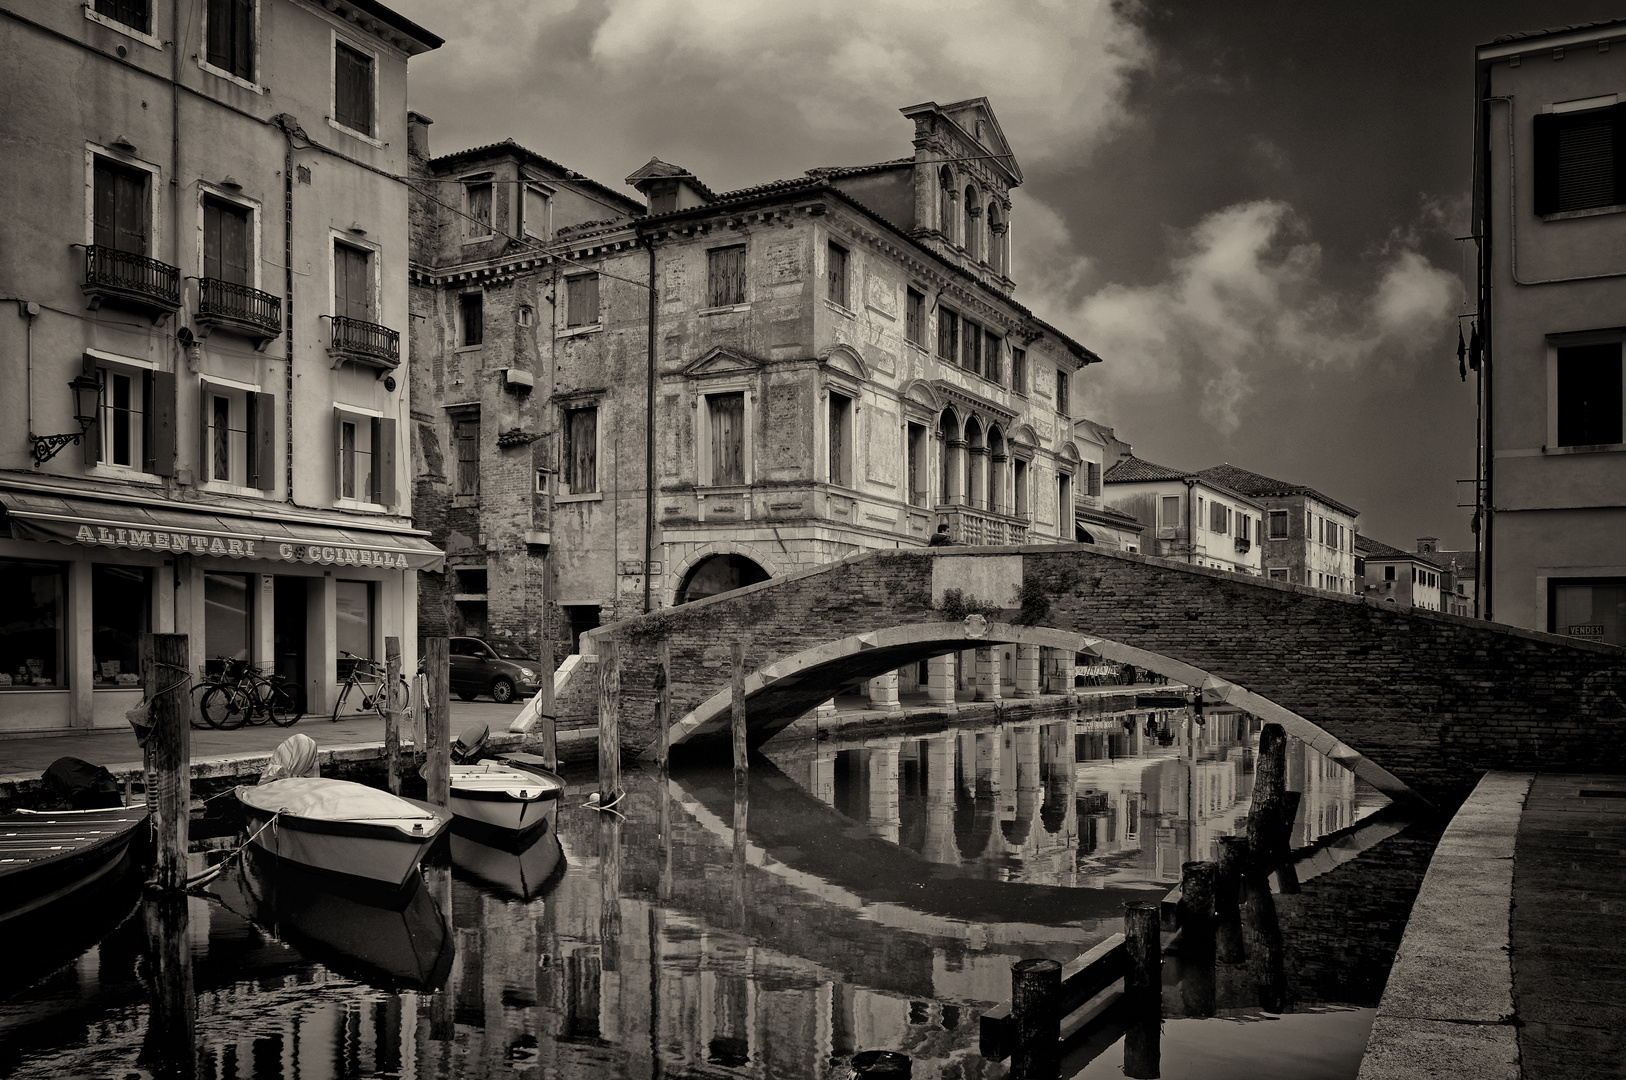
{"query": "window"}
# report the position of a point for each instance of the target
(352, 282)
(120, 210)
(1244, 527)
(1170, 510)
(581, 300)
(727, 415)
(226, 243)
(918, 456)
(366, 457)
(1219, 518)
(1589, 395)
(1093, 478)
(352, 88)
(581, 450)
(1278, 524)
(725, 276)
(1277, 575)
(231, 37)
(1574, 157)
(353, 617)
(1341, 542)
(121, 611)
(471, 316)
(914, 318)
(1019, 370)
(948, 336)
(990, 357)
(479, 201)
(535, 210)
(841, 427)
(1590, 609)
(466, 431)
(971, 210)
(836, 273)
(1388, 573)
(1061, 392)
(1019, 482)
(32, 647)
(123, 417)
(238, 437)
(945, 202)
(971, 346)
(1064, 504)
(136, 14)
(135, 421)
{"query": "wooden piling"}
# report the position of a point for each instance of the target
(1143, 1047)
(742, 830)
(164, 672)
(1197, 912)
(1036, 1012)
(437, 735)
(1143, 945)
(663, 698)
(882, 1065)
(544, 703)
(740, 751)
(170, 1043)
(392, 715)
(1269, 785)
(609, 719)
(1233, 863)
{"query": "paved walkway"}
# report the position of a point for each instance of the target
(1513, 965)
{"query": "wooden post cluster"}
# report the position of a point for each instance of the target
(1269, 788)
(609, 719)
(1233, 863)
(437, 735)
(663, 698)
(1197, 911)
(738, 718)
(392, 715)
(1143, 944)
(164, 671)
(1036, 1010)
(544, 692)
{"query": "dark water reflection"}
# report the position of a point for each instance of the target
(876, 898)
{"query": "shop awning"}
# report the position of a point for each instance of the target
(100, 523)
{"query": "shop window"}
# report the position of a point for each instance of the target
(352, 88)
(581, 300)
(467, 432)
(471, 319)
(33, 597)
(948, 336)
(1278, 524)
(121, 610)
(581, 450)
(914, 317)
(726, 414)
(725, 276)
(230, 36)
(841, 429)
(479, 210)
(228, 618)
(836, 274)
(354, 615)
(1589, 395)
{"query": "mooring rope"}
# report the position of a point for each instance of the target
(199, 880)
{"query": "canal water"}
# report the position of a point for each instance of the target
(858, 893)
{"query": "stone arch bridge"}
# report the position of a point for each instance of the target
(1417, 703)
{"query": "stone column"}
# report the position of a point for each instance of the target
(940, 681)
(1027, 670)
(987, 674)
(883, 792)
(883, 693)
(940, 846)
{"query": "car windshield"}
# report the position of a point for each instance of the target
(508, 651)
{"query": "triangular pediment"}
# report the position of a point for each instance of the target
(723, 360)
(975, 117)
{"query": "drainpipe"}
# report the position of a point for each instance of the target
(649, 439)
(1487, 500)
(1191, 518)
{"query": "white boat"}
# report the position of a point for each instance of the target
(516, 799)
(340, 827)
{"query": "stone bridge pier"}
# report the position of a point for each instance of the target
(1417, 703)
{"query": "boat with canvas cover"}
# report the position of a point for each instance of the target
(341, 827)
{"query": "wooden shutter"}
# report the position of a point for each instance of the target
(158, 399)
(582, 453)
(384, 461)
(91, 444)
(353, 284)
(130, 215)
(1545, 160)
(104, 203)
(211, 236)
(838, 438)
(353, 89)
(262, 445)
(590, 298)
(234, 245)
(727, 438)
(338, 454)
(205, 468)
(221, 51)
(1617, 117)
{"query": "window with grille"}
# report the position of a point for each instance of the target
(467, 432)
(353, 88)
(1589, 404)
(479, 219)
(836, 274)
(581, 300)
(727, 416)
(914, 321)
(580, 466)
(1576, 156)
(471, 316)
(231, 37)
(725, 276)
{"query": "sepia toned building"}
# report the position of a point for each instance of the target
(1186, 515)
(1307, 539)
(205, 273)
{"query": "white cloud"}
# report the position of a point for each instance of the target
(1242, 303)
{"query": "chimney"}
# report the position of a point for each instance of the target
(418, 135)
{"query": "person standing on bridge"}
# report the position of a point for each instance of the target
(941, 537)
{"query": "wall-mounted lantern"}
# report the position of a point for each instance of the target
(87, 402)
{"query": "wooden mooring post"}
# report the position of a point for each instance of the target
(1233, 863)
(168, 751)
(1269, 788)
(1197, 911)
(392, 715)
(1143, 954)
(170, 1043)
(741, 753)
(663, 698)
(609, 720)
(437, 734)
(546, 718)
(1036, 1011)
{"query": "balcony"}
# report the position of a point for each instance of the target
(128, 279)
(364, 343)
(974, 526)
(1243, 545)
(226, 305)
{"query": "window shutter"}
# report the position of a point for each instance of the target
(130, 214)
(262, 445)
(205, 468)
(91, 444)
(220, 33)
(1617, 117)
(159, 398)
(211, 233)
(234, 245)
(1545, 160)
(384, 461)
(105, 204)
(338, 454)
(243, 39)
(590, 292)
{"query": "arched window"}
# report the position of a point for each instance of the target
(945, 202)
(969, 241)
(974, 485)
(948, 432)
(996, 238)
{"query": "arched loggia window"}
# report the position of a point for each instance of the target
(970, 240)
(945, 202)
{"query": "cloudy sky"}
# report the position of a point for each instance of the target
(1246, 208)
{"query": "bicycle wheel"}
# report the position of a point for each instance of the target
(200, 721)
(338, 703)
(226, 707)
(283, 705)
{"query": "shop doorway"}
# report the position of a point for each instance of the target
(288, 630)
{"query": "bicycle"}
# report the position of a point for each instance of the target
(244, 694)
(367, 679)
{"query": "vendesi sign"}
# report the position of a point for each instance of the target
(235, 547)
(1586, 630)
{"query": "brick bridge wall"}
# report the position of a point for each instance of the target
(1435, 699)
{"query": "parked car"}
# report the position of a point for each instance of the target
(496, 668)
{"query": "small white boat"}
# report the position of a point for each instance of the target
(503, 796)
(340, 827)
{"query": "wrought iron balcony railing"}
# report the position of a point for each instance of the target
(130, 278)
(238, 307)
(1243, 545)
(365, 342)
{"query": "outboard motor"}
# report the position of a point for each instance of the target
(469, 745)
(82, 785)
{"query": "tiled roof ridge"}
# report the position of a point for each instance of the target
(1526, 35)
(1386, 551)
(1132, 468)
(509, 144)
(1248, 482)
(854, 170)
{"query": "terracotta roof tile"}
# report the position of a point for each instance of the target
(1255, 484)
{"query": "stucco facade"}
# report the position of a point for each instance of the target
(1308, 538)
(1187, 516)
(1405, 578)
(1549, 193)
(179, 226)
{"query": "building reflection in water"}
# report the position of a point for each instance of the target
(887, 885)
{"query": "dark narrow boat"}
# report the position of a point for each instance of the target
(46, 857)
